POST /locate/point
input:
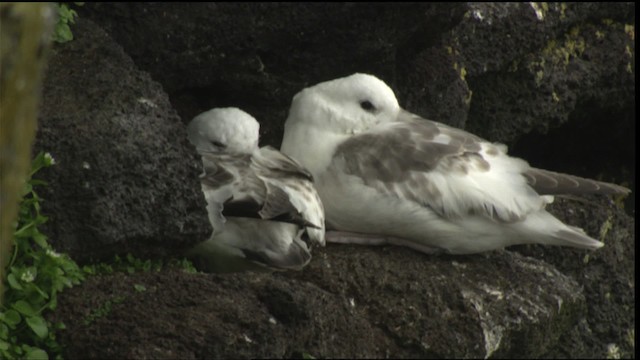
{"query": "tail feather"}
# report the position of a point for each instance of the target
(575, 237)
(544, 228)
(546, 182)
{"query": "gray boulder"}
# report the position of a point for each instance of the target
(126, 178)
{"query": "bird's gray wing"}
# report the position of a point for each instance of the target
(544, 182)
(216, 170)
(266, 185)
(449, 170)
(278, 164)
(231, 187)
(217, 185)
(290, 191)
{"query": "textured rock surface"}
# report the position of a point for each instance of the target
(607, 277)
(350, 302)
(493, 68)
(126, 179)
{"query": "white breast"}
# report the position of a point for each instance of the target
(313, 148)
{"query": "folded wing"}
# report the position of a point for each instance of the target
(290, 191)
(266, 185)
(453, 172)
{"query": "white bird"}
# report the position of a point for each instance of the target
(386, 176)
(261, 203)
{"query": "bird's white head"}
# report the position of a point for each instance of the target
(323, 115)
(348, 105)
(224, 130)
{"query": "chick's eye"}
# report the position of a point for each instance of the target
(367, 105)
(219, 144)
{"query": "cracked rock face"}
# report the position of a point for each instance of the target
(127, 179)
(351, 302)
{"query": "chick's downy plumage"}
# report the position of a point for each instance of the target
(262, 205)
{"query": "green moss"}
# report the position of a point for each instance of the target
(557, 55)
(467, 99)
(630, 29)
(607, 22)
(563, 10)
(130, 264)
(103, 310)
(605, 227)
(572, 46)
(631, 338)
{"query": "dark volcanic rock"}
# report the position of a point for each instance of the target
(257, 56)
(126, 178)
(186, 316)
(349, 302)
(448, 306)
(607, 275)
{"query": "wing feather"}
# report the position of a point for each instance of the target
(553, 183)
(451, 171)
(265, 184)
(277, 164)
(228, 189)
(291, 193)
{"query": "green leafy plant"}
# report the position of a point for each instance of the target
(66, 16)
(131, 264)
(128, 264)
(103, 310)
(35, 275)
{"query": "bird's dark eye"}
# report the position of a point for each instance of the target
(218, 144)
(367, 105)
